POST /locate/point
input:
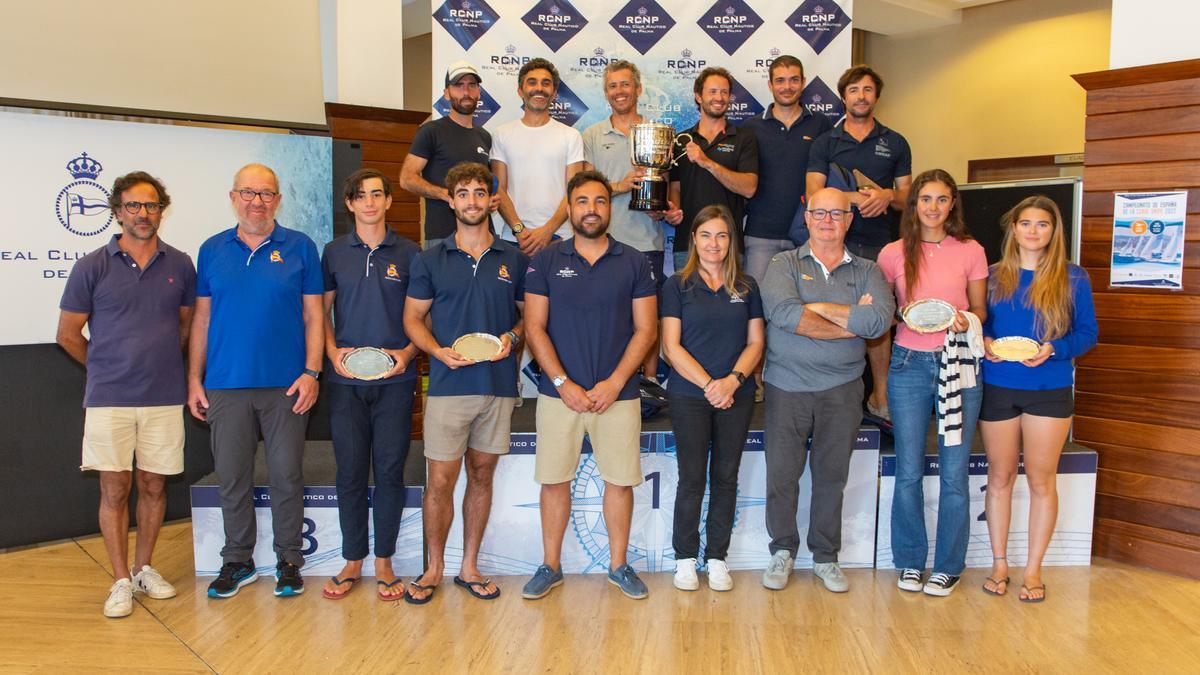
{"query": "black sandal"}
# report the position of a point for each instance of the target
(470, 587)
(408, 596)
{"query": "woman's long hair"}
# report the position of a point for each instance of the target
(733, 279)
(1050, 294)
(910, 225)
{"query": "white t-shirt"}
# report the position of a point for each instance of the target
(537, 159)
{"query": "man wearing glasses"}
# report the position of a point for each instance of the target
(135, 295)
(822, 303)
(257, 344)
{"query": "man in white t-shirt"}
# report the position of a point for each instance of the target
(533, 158)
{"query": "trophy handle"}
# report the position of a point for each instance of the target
(675, 159)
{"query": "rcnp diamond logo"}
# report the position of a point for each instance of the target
(742, 104)
(554, 21)
(730, 23)
(821, 100)
(486, 109)
(82, 206)
(567, 107)
(818, 22)
(466, 20)
(642, 23)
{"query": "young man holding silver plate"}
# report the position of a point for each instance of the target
(465, 293)
(372, 381)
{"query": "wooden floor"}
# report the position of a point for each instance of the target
(1106, 618)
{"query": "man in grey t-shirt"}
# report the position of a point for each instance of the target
(821, 303)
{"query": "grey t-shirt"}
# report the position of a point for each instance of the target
(607, 149)
(442, 143)
(795, 278)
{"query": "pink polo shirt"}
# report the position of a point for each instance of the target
(945, 270)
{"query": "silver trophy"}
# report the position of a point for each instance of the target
(652, 149)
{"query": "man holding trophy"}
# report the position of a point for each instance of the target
(471, 288)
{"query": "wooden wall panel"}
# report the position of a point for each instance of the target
(385, 137)
(1138, 391)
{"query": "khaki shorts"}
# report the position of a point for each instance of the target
(615, 437)
(112, 436)
(455, 423)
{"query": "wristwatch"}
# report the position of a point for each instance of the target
(316, 374)
(740, 377)
(513, 339)
(559, 381)
(517, 227)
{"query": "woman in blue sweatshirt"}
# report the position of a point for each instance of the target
(1033, 292)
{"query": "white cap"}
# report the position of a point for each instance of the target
(458, 69)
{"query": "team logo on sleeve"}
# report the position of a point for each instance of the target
(275, 257)
(503, 275)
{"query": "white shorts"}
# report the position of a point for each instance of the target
(112, 436)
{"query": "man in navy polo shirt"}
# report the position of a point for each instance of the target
(471, 282)
(719, 165)
(366, 276)
(785, 131)
(861, 142)
(257, 342)
(591, 314)
(135, 295)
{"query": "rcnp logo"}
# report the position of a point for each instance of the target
(818, 22)
(596, 60)
(486, 109)
(554, 21)
(686, 62)
(642, 23)
(82, 206)
(466, 20)
(763, 64)
(567, 107)
(730, 23)
(820, 99)
(742, 104)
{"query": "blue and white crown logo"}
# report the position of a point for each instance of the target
(642, 11)
(510, 49)
(598, 51)
(818, 10)
(775, 51)
(82, 206)
(730, 11)
(816, 98)
(84, 166)
(466, 4)
(686, 53)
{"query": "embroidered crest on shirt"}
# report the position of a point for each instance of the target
(392, 272)
(503, 275)
(567, 273)
(275, 257)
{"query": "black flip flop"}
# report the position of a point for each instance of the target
(408, 597)
(384, 585)
(353, 581)
(470, 587)
(1028, 590)
(997, 582)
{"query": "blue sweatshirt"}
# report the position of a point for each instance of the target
(1014, 317)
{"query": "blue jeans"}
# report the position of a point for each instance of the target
(912, 397)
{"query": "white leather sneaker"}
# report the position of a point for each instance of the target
(150, 582)
(685, 575)
(718, 576)
(120, 599)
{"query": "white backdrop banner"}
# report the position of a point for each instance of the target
(57, 173)
(670, 41)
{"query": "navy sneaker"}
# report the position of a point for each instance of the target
(544, 580)
(627, 580)
(232, 577)
(288, 581)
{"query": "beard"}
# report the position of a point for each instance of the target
(465, 219)
(464, 105)
(590, 231)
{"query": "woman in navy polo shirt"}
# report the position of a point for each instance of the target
(712, 333)
(1033, 292)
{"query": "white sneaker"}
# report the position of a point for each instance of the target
(779, 570)
(685, 575)
(120, 599)
(830, 573)
(718, 576)
(150, 582)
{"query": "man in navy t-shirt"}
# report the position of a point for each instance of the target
(257, 346)
(135, 295)
(470, 282)
(591, 314)
(366, 275)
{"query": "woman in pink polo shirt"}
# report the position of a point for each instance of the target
(935, 258)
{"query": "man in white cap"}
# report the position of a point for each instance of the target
(442, 143)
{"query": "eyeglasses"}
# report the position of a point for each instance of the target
(248, 195)
(833, 214)
(133, 208)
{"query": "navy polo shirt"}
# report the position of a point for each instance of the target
(134, 357)
(371, 283)
(698, 188)
(591, 308)
(881, 156)
(713, 326)
(256, 327)
(471, 296)
(782, 163)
